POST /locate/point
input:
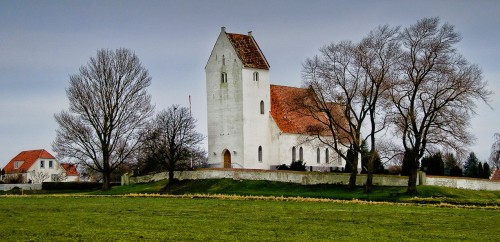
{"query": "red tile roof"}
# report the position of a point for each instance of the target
(496, 175)
(248, 51)
(70, 169)
(28, 157)
(291, 117)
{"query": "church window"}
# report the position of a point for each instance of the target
(293, 153)
(223, 77)
(256, 76)
(327, 156)
(223, 60)
(261, 107)
(318, 155)
(301, 154)
(260, 153)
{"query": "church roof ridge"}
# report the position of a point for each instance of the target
(247, 50)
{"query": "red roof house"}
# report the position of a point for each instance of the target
(39, 166)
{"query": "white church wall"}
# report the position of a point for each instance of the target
(224, 104)
(255, 122)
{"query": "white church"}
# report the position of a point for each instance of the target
(251, 124)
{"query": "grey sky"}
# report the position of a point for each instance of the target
(43, 42)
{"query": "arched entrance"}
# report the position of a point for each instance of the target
(227, 159)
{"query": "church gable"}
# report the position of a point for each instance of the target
(248, 51)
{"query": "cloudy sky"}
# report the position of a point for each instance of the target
(43, 42)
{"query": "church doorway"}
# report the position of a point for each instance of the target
(227, 159)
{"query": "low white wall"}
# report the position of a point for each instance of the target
(305, 178)
(463, 183)
(8, 187)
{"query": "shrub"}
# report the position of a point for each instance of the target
(283, 167)
(13, 178)
(298, 166)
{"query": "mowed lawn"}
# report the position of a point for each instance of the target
(104, 218)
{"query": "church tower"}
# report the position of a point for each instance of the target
(238, 100)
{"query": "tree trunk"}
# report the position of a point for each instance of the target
(354, 171)
(171, 179)
(105, 181)
(369, 174)
(413, 168)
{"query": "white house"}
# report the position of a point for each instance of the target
(39, 166)
(251, 123)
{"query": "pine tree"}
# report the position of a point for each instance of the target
(470, 169)
(433, 165)
(480, 173)
(486, 171)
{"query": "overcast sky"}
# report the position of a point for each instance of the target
(43, 42)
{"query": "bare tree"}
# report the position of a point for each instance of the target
(434, 96)
(495, 153)
(39, 176)
(354, 76)
(172, 139)
(109, 104)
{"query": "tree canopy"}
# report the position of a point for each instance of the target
(108, 106)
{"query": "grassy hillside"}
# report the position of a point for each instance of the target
(427, 194)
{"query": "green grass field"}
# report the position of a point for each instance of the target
(259, 211)
(103, 218)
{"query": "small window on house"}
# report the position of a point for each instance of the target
(256, 76)
(261, 107)
(260, 153)
(301, 154)
(17, 164)
(42, 164)
(327, 156)
(318, 155)
(339, 160)
(223, 60)
(223, 77)
(51, 165)
(293, 153)
(54, 177)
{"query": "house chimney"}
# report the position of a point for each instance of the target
(249, 33)
(223, 29)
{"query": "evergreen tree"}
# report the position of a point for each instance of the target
(433, 165)
(350, 156)
(406, 168)
(486, 171)
(456, 171)
(480, 173)
(450, 163)
(365, 156)
(470, 169)
(378, 167)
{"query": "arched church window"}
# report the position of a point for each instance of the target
(327, 156)
(260, 153)
(256, 76)
(261, 107)
(223, 60)
(301, 154)
(223, 77)
(293, 153)
(318, 155)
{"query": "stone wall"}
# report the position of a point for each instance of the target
(8, 187)
(462, 182)
(305, 178)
